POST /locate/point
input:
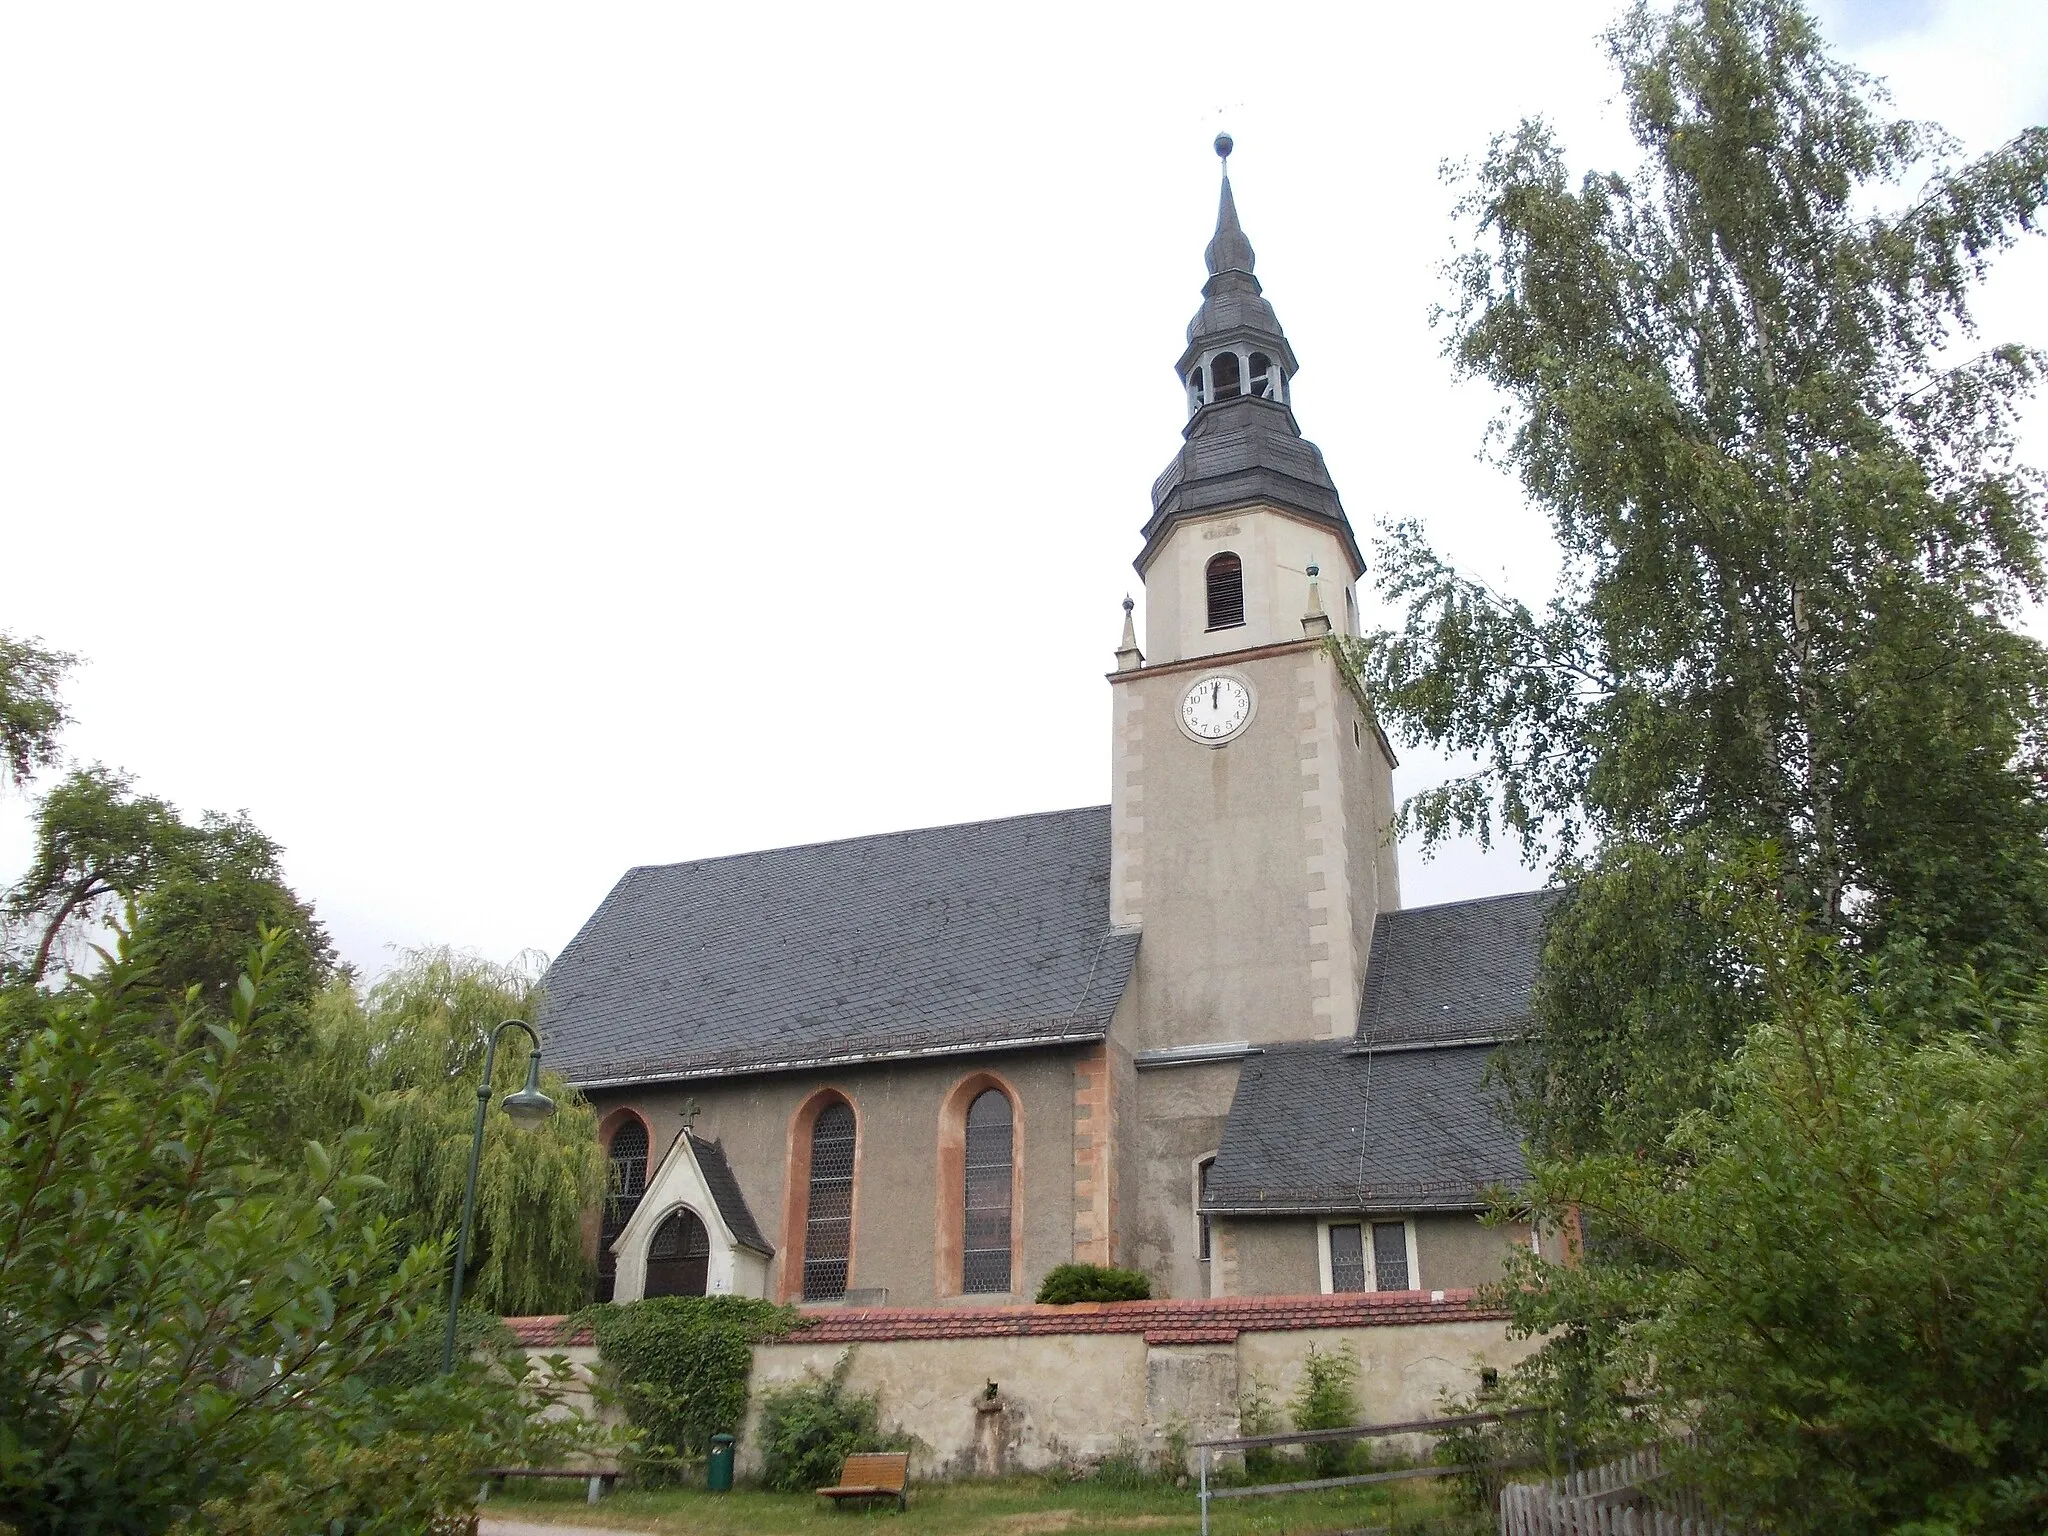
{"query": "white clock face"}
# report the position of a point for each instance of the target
(1216, 708)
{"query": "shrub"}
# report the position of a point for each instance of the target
(809, 1429)
(1069, 1283)
(681, 1365)
(1326, 1397)
(1259, 1414)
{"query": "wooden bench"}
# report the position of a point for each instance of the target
(876, 1475)
(600, 1479)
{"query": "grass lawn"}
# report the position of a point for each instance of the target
(1021, 1506)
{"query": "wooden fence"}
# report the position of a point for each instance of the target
(1611, 1500)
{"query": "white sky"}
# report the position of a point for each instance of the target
(499, 445)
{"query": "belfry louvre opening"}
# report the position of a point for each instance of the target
(1226, 592)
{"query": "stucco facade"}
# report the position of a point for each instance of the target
(897, 1188)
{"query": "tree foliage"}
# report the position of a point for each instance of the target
(182, 1324)
(31, 709)
(1841, 1297)
(202, 889)
(403, 1061)
(1795, 535)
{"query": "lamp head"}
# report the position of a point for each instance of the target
(529, 1106)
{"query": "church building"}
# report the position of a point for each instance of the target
(1191, 1032)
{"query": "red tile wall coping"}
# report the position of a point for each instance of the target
(1198, 1321)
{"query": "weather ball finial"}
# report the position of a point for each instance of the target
(1224, 145)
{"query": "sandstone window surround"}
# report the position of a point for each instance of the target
(821, 1198)
(979, 1223)
(626, 1150)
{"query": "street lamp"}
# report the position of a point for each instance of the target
(527, 1109)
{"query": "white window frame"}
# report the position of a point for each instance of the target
(1372, 1280)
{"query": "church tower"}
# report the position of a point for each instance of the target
(1251, 789)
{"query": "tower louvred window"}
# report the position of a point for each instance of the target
(986, 1258)
(625, 1183)
(828, 1226)
(1226, 591)
(679, 1258)
(1264, 380)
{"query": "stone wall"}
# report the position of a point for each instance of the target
(1075, 1384)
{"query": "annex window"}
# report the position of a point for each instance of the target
(679, 1258)
(1225, 374)
(828, 1223)
(1226, 592)
(1369, 1256)
(625, 1183)
(985, 1253)
(1202, 1229)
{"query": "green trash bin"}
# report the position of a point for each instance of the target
(718, 1473)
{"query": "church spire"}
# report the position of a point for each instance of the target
(1229, 250)
(1238, 374)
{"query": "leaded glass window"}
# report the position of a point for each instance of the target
(985, 1259)
(1390, 1255)
(679, 1258)
(625, 1183)
(1347, 1258)
(828, 1228)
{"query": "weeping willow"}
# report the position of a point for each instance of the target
(405, 1058)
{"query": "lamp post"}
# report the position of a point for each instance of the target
(528, 1108)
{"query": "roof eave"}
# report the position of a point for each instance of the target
(1086, 1036)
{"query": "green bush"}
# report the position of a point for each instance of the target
(681, 1363)
(1326, 1397)
(1259, 1414)
(809, 1429)
(1069, 1283)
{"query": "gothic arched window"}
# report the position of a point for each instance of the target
(985, 1253)
(828, 1220)
(1223, 370)
(625, 1183)
(1226, 592)
(679, 1258)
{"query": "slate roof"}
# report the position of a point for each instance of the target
(1325, 1126)
(725, 1190)
(983, 936)
(1462, 971)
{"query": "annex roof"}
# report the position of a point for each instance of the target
(725, 1193)
(984, 936)
(1322, 1126)
(1464, 971)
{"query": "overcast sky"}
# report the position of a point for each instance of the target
(499, 445)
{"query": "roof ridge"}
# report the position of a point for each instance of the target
(1475, 901)
(863, 837)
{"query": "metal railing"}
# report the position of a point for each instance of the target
(1209, 1448)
